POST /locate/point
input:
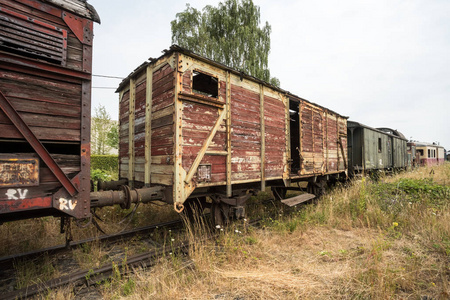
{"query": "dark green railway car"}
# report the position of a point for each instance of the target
(373, 149)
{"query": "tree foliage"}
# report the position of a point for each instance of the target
(229, 33)
(104, 132)
(112, 137)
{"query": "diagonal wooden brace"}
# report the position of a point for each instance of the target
(31, 138)
(205, 146)
(343, 153)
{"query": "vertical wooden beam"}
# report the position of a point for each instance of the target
(324, 148)
(179, 176)
(263, 138)
(337, 141)
(148, 125)
(228, 119)
(287, 126)
(312, 137)
(121, 140)
(131, 122)
(300, 134)
(327, 144)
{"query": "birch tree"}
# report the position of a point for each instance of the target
(229, 33)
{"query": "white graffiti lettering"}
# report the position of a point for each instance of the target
(65, 204)
(11, 193)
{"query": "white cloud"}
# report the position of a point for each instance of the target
(383, 63)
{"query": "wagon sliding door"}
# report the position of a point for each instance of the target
(323, 141)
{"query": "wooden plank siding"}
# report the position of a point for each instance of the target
(161, 168)
(321, 131)
(275, 137)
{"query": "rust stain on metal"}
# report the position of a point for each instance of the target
(17, 172)
(25, 204)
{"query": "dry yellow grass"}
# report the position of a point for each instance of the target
(349, 245)
(365, 240)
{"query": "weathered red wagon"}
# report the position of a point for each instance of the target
(45, 100)
(198, 128)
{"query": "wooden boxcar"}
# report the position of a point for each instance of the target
(430, 154)
(45, 100)
(373, 149)
(200, 128)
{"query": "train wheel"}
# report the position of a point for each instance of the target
(220, 214)
(193, 209)
(318, 188)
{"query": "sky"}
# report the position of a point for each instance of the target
(383, 63)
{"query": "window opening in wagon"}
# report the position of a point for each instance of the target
(205, 85)
(379, 145)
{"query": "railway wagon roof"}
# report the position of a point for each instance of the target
(79, 7)
(423, 144)
(386, 131)
(176, 48)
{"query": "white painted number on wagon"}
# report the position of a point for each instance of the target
(65, 204)
(13, 194)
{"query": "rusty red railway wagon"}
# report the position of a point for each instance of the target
(198, 128)
(45, 100)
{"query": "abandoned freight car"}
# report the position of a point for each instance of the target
(373, 149)
(199, 128)
(45, 88)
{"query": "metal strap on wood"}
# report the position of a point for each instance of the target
(31, 138)
(228, 128)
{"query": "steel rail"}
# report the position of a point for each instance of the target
(104, 272)
(9, 260)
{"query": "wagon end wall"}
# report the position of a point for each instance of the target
(45, 86)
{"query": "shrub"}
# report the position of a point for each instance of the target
(97, 175)
(105, 162)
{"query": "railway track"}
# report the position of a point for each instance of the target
(83, 278)
(64, 255)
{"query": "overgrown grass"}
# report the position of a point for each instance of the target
(384, 239)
